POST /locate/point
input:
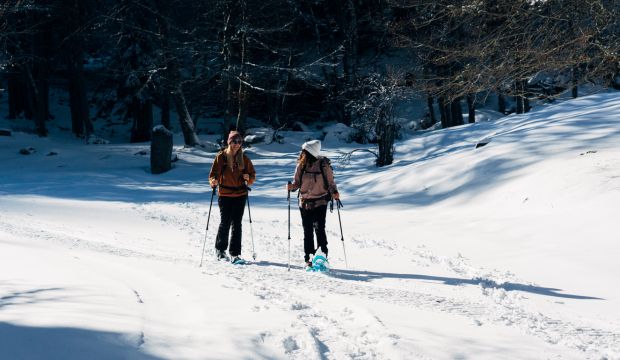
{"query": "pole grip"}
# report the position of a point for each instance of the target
(288, 192)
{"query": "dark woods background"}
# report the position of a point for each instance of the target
(288, 61)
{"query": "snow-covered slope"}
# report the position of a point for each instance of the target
(505, 251)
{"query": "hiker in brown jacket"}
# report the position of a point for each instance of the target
(233, 172)
(314, 178)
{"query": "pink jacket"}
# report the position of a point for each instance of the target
(312, 184)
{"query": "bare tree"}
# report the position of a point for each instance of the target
(374, 111)
(71, 18)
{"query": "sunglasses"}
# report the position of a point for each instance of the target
(235, 141)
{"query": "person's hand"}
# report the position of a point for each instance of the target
(336, 196)
(213, 183)
(289, 187)
(246, 177)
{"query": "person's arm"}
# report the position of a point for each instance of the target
(214, 174)
(332, 188)
(296, 179)
(249, 171)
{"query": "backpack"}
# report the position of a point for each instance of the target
(323, 161)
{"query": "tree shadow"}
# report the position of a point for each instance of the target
(20, 341)
(28, 297)
(356, 275)
(30, 342)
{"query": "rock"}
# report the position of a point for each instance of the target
(338, 133)
(161, 150)
(258, 135)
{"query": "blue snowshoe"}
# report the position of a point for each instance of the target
(236, 260)
(319, 263)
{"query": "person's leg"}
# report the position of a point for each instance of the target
(306, 221)
(221, 241)
(237, 209)
(319, 214)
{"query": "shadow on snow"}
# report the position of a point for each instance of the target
(356, 275)
(30, 342)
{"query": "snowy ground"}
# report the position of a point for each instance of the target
(508, 251)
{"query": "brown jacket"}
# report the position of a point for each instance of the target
(231, 180)
(313, 191)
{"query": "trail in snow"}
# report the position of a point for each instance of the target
(320, 330)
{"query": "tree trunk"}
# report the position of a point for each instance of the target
(243, 107)
(280, 107)
(471, 107)
(575, 91)
(185, 119)
(30, 92)
(81, 124)
(142, 114)
(523, 103)
(39, 76)
(526, 104)
(501, 103)
(173, 79)
(242, 94)
(431, 109)
(18, 93)
(19, 83)
(457, 112)
(228, 73)
(444, 111)
(165, 110)
(349, 60)
(386, 133)
(519, 97)
(41, 98)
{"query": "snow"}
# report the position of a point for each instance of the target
(506, 251)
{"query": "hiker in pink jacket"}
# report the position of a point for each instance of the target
(314, 178)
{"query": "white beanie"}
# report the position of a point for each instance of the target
(313, 147)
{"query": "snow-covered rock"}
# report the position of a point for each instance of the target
(258, 135)
(338, 132)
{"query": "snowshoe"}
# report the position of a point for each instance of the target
(320, 263)
(236, 260)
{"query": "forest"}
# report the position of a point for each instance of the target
(183, 64)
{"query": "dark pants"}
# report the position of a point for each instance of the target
(313, 220)
(231, 213)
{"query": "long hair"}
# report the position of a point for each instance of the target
(305, 158)
(237, 158)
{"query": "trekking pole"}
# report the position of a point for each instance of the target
(250, 216)
(338, 206)
(288, 197)
(207, 230)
